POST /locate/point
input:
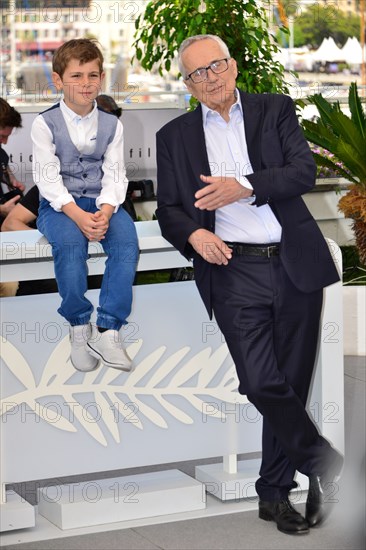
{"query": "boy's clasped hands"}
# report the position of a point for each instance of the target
(95, 225)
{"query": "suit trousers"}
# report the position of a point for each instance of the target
(272, 329)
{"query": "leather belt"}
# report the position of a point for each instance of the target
(265, 250)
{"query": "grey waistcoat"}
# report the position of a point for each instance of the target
(81, 174)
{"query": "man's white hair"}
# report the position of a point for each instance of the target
(191, 40)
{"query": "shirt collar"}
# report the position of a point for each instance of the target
(72, 116)
(207, 112)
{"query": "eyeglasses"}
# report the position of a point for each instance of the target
(201, 74)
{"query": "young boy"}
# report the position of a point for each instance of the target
(78, 167)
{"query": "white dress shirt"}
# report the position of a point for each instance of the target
(227, 151)
(82, 131)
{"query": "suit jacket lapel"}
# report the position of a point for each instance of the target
(253, 121)
(195, 145)
(194, 138)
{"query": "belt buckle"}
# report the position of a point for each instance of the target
(271, 249)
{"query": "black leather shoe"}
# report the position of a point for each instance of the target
(288, 520)
(322, 493)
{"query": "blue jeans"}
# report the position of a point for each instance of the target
(70, 253)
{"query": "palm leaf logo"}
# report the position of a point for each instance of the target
(203, 377)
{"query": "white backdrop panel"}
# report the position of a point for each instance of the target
(140, 127)
(181, 402)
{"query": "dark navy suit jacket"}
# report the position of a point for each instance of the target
(283, 170)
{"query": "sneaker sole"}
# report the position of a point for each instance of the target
(99, 356)
(85, 370)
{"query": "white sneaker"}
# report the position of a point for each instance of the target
(108, 347)
(80, 357)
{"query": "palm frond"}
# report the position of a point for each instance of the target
(348, 132)
(325, 108)
(352, 160)
(319, 135)
(340, 134)
(339, 124)
(357, 114)
(326, 162)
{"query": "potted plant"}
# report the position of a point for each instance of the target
(345, 138)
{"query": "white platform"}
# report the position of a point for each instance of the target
(130, 422)
(45, 530)
(226, 485)
(16, 513)
(111, 500)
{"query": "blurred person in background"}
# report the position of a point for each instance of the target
(10, 188)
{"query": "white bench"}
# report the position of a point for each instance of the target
(180, 403)
(27, 255)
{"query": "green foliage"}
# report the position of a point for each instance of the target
(152, 277)
(299, 38)
(321, 21)
(328, 166)
(242, 25)
(354, 273)
(343, 136)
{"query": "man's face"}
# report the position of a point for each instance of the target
(4, 134)
(217, 92)
(80, 83)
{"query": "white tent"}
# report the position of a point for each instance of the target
(298, 59)
(328, 51)
(352, 51)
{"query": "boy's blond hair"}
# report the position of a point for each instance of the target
(82, 49)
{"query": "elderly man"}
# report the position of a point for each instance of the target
(230, 179)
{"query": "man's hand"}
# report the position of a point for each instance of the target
(220, 191)
(17, 183)
(210, 247)
(8, 206)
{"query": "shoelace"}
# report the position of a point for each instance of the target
(284, 506)
(115, 340)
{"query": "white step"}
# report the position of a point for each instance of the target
(111, 500)
(16, 513)
(235, 486)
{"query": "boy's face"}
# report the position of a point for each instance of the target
(81, 83)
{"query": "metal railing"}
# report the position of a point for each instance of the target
(25, 101)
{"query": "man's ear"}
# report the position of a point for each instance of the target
(56, 79)
(189, 86)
